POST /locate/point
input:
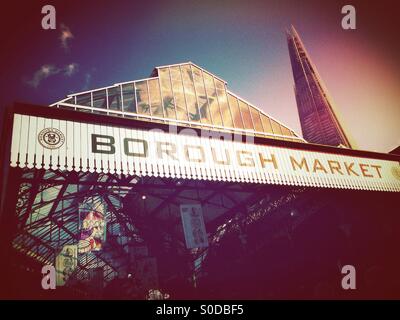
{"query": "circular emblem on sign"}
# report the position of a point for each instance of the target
(396, 172)
(51, 138)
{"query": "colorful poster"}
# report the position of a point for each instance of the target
(93, 229)
(193, 226)
(66, 262)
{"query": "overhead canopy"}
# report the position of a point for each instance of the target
(143, 189)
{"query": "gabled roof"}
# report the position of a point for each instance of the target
(155, 70)
(183, 94)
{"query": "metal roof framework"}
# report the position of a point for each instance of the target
(141, 211)
(47, 219)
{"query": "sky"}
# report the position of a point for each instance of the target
(99, 43)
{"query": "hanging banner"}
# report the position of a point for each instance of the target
(66, 262)
(193, 226)
(70, 145)
(93, 228)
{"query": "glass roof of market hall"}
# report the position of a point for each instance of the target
(182, 94)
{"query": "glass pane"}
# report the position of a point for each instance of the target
(212, 99)
(177, 88)
(114, 98)
(99, 99)
(201, 95)
(175, 73)
(166, 92)
(128, 95)
(142, 97)
(266, 123)
(84, 99)
(237, 118)
(188, 84)
(285, 131)
(155, 99)
(256, 119)
(244, 108)
(224, 107)
(219, 84)
(276, 127)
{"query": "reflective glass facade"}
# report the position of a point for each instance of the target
(182, 94)
(319, 122)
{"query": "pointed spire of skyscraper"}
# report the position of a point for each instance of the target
(318, 116)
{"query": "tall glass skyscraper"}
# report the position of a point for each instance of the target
(319, 120)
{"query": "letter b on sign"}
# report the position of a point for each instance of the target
(349, 280)
(103, 144)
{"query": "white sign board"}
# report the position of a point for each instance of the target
(71, 145)
(193, 226)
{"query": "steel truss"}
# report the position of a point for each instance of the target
(141, 211)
